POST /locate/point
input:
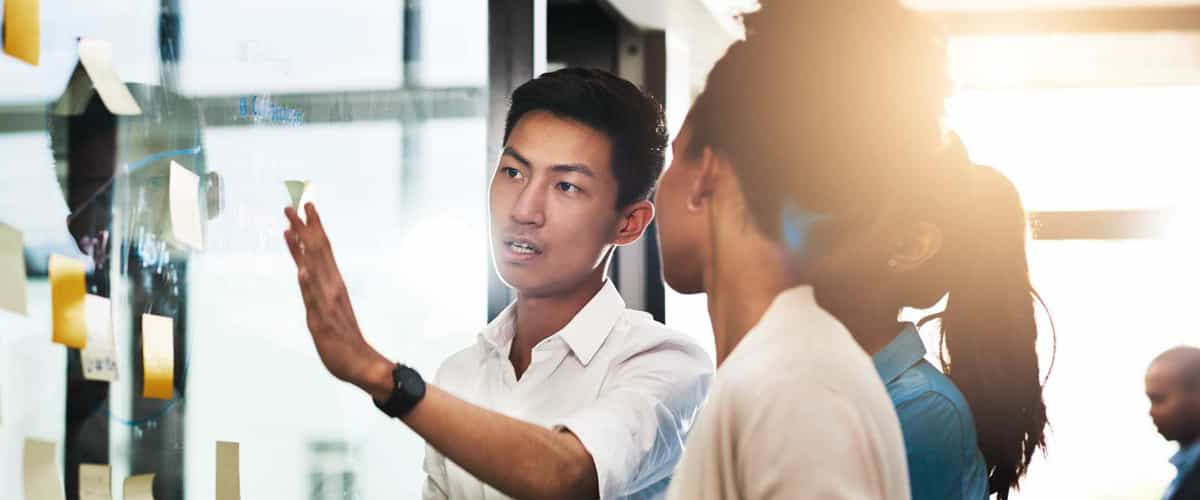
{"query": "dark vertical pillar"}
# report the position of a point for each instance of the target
(510, 63)
(654, 75)
(91, 157)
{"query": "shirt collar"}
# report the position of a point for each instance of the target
(902, 353)
(584, 334)
(1187, 457)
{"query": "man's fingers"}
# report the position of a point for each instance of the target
(293, 244)
(308, 289)
(294, 219)
(316, 241)
(314, 218)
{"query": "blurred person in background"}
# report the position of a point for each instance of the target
(952, 231)
(1173, 387)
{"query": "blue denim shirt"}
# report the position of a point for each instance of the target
(1184, 461)
(944, 461)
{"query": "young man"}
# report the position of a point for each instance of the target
(782, 155)
(1173, 386)
(567, 394)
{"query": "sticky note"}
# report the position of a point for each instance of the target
(22, 30)
(99, 358)
(228, 480)
(96, 58)
(302, 192)
(95, 482)
(40, 472)
(68, 289)
(140, 487)
(12, 271)
(185, 206)
(158, 356)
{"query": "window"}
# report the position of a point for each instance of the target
(383, 106)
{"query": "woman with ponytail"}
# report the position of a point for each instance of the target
(955, 231)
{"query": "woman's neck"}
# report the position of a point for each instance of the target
(872, 324)
(739, 294)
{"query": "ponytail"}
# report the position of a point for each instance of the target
(988, 328)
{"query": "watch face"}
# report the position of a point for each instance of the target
(407, 381)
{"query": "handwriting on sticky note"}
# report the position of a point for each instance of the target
(185, 206)
(96, 58)
(12, 271)
(99, 358)
(40, 472)
(158, 357)
(68, 289)
(95, 482)
(22, 30)
(140, 487)
(228, 473)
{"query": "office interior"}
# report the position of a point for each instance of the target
(394, 109)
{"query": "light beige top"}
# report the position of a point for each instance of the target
(796, 411)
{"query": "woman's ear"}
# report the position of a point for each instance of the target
(635, 218)
(916, 246)
(702, 187)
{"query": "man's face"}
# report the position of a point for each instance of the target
(553, 205)
(682, 226)
(1174, 403)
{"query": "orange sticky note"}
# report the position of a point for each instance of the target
(158, 357)
(68, 289)
(22, 30)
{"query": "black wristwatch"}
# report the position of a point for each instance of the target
(409, 390)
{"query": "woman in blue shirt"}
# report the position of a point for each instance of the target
(952, 230)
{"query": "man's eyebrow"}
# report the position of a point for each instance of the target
(508, 150)
(574, 167)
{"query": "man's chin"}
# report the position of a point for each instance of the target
(524, 281)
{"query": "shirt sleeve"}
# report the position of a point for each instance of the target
(933, 442)
(435, 476)
(636, 429)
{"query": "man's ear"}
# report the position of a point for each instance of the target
(702, 187)
(920, 243)
(635, 218)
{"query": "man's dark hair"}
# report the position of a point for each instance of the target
(630, 118)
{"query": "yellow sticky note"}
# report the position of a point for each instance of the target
(40, 473)
(158, 357)
(228, 475)
(185, 206)
(95, 482)
(99, 358)
(96, 58)
(301, 192)
(139, 487)
(22, 30)
(68, 289)
(12, 271)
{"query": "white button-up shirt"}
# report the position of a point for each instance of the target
(621, 382)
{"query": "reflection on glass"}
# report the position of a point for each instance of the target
(380, 104)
